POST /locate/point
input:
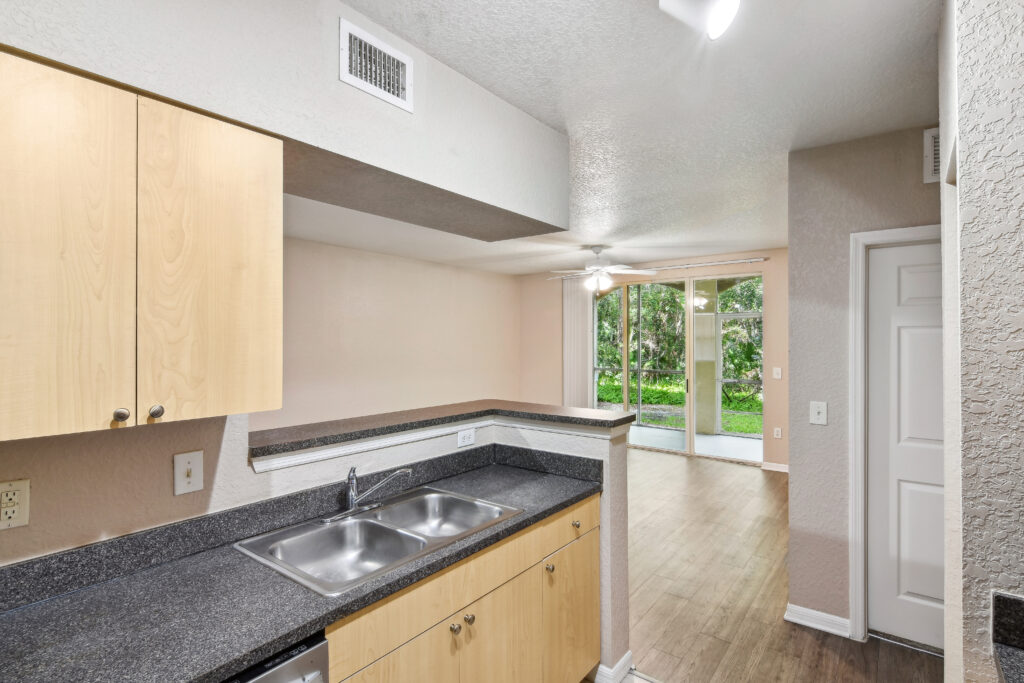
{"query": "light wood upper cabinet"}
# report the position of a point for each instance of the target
(210, 266)
(572, 610)
(67, 251)
(140, 258)
(432, 656)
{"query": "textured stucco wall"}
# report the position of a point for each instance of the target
(867, 184)
(953, 637)
(275, 65)
(990, 84)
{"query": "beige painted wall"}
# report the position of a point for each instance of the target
(867, 184)
(367, 333)
(364, 333)
(540, 339)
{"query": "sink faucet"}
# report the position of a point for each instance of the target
(353, 498)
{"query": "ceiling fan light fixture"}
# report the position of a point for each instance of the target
(591, 283)
(720, 17)
(604, 282)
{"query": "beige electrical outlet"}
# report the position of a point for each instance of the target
(13, 503)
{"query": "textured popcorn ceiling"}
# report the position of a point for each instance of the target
(679, 145)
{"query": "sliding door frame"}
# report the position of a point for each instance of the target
(689, 313)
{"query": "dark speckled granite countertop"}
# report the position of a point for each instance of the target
(284, 439)
(210, 615)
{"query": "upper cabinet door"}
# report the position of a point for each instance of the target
(67, 252)
(210, 266)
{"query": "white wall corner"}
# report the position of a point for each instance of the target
(617, 673)
(822, 621)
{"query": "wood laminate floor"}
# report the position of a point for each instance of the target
(708, 583)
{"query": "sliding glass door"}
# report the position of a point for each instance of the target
(642, 337)
(728, 349)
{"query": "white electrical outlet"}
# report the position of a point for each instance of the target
(188, 472)
(14, 503)
(777, 432)
(819, 413)
(467, 437)
(776, 373)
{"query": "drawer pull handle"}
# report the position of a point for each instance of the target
(455, 628)
(576, 523)
(550, 568)
(122, 415)
(156, 412)
(470, 619)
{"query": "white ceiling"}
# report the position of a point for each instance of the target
(678, 144)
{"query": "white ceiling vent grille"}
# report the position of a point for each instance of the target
(375, 67)
(932, 156)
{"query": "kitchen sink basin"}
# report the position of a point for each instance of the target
(439, 515)
(333, 556)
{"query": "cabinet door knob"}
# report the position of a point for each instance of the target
(576, 523)
(156, 411)
(455, 628)
(550, 568)
(122, 415)
(470, 619)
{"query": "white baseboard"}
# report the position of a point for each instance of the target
(775, 467)
(616, 673)
(822, 621)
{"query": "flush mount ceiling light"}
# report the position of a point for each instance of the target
(720, 16)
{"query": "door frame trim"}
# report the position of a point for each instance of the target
(860, 244)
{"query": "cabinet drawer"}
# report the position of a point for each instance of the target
(367, 635)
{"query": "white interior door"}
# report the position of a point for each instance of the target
(904, 443)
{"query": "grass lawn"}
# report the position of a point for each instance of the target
(673, 395)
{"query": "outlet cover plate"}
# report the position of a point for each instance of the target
(14, 497)
(188, 472)
(819, 413)
(467, 437)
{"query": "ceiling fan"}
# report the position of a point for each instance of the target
(598, 274)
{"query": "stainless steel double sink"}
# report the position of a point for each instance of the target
(333, 556)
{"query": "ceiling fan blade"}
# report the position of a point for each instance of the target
(567, 277)
(638, 271)
(569, 271)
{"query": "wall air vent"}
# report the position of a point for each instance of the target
(375, 67)
(932, 156)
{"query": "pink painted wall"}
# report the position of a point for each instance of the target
(368, 333)
(540, 339)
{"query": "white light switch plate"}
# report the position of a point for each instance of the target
(467, 437)
(14, 503)
(188, 472)
(819, 413)
(776, 373)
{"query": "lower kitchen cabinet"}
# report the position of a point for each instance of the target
(432, 656)
(496, 639)
(572, 610)
(502, 634)
(531, 614)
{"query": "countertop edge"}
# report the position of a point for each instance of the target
(266, 442)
